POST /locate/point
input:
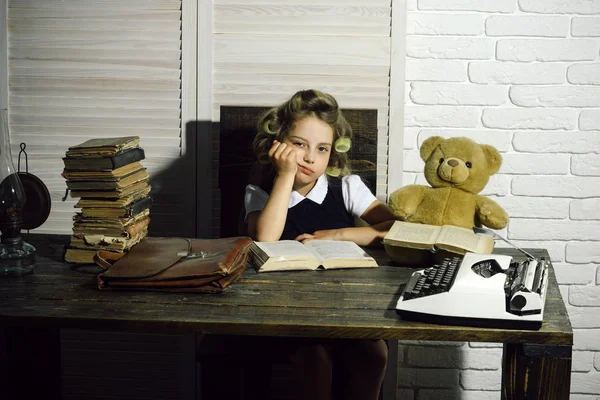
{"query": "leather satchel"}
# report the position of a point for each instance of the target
(175, 265)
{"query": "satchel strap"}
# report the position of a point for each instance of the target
(105, 258)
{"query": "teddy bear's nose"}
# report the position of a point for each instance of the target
(452, 163)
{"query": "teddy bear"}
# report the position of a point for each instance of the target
(457, 169)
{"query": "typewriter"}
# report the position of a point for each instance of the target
(478, 290)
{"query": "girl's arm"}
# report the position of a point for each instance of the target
(377, 215)
(267, 225)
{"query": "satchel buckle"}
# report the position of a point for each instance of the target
(201, 254)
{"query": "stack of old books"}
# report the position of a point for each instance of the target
(113, 190)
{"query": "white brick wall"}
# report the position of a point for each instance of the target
(523, 76)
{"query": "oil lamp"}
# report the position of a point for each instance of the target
(16, 256)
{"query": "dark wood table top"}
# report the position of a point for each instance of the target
(350, 303)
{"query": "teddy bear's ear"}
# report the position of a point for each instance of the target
(493, 157)
(429, 145)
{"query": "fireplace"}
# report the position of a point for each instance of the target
(233, 159)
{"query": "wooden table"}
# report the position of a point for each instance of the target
(329, 304)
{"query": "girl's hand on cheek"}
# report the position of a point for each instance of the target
(283, 157)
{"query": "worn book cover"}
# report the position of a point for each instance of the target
(128, 210)
(114, 203)
(103, 242)
(114, 222)
(128, 231)
(112, 194)
(83, 256)
(117, 160)
(103, 147)
(108, 183)
(452, 238)
(80, 256)
(288, 255)
(111, 174)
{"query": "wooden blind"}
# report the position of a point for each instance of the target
(80, 69)
(265, 50)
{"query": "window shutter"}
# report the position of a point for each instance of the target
(82, 69)
(266, 50)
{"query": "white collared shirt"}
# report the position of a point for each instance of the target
(357, 196)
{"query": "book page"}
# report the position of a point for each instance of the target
(285, 249)
(452, 237)
(405, 233)
(328, 249)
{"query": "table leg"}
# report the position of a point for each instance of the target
(534, 371)
(390, 381)
(31, 367)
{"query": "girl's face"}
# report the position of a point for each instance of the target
(312, 140)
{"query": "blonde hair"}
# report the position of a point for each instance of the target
(278, 122)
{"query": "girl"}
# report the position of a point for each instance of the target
(303, 191)
(298, 193)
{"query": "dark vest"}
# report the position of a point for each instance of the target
(308, 216)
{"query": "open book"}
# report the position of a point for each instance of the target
(432, 237)
(288, 255)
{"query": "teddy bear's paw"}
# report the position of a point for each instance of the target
(496, 224)
(399, 212)
(493, 216)
(405, 201)
(486, 210)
